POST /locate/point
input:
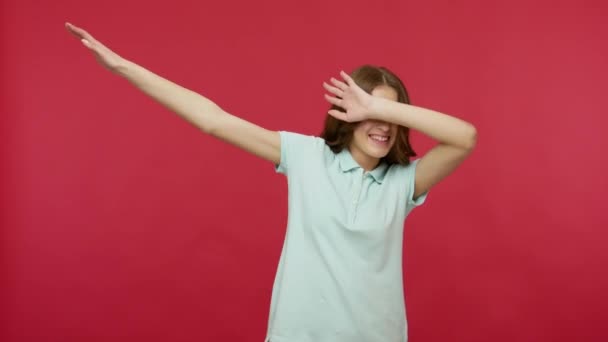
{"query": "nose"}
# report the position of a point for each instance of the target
(383, 125)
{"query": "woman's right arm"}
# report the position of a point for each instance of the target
(191, 106)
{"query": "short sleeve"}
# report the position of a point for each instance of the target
(411, 178)
(281, 167)
(296, 150)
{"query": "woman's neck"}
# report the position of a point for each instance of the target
(367, 162)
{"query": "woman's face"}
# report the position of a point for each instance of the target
(373, 139)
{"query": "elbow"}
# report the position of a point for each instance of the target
(210, 121)
(207, 128)
(469, 140)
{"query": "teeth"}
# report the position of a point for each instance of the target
(379, 137)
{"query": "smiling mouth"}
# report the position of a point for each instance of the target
(380, 139)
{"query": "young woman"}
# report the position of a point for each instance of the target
(339, 276)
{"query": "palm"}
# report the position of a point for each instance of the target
(106, 57)
(350, 97)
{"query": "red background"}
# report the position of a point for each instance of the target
(121, 222)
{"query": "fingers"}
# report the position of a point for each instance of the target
(333, 100)
(79, 33)
(336, 91)
(339, 84)
(74, 30)
(338, 114)
(347, 78)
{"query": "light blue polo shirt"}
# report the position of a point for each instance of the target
(339, 277)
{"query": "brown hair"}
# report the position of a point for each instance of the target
(338, 134)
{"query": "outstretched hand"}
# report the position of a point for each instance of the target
(349, 96)
(106, 57)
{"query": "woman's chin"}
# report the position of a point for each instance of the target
(378, 149)
(377, 153)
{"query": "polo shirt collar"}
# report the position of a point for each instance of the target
(347, 163)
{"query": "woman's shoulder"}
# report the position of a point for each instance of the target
(400, 170)
(301, 151)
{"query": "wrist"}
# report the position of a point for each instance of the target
(377, 108)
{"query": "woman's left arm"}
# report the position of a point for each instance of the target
(456, 137)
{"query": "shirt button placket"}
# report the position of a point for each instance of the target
(356, 194)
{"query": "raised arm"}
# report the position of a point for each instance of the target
(456, 137)
(456, 140)
(191, 106)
